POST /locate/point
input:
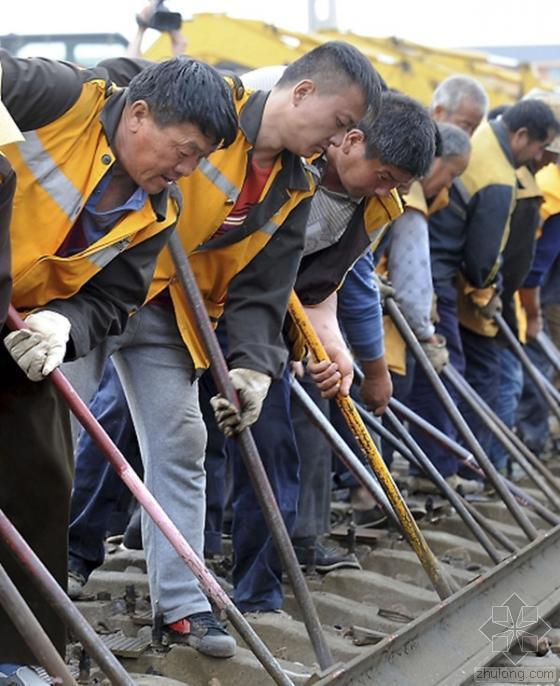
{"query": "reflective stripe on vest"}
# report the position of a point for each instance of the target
(49, 175)
(270, 227)
(214, 175)
(102, 257)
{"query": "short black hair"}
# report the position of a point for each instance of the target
(403, 134)
(186, 90)
(497, 111)
(335, 65)
(534, 115)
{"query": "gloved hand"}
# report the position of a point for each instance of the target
(251, 387)
(492, 308)
(436, 350)
(40, 347)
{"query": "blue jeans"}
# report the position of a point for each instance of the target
(510, 388)
(98, 492)
(532, 413)
(483, 374)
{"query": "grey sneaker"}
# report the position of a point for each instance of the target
(76, 582)
(23, 676)
(420, 484)
(203, 632)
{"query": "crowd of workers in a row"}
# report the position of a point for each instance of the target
(302, 178)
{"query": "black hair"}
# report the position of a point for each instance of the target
(187, 90)
(497, 111)
(333, 66)
(534, 115)
(403, 135)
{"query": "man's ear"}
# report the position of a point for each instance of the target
(137, 113)
(520, 137)
(351, 139)
(438, 112)
(302, 90)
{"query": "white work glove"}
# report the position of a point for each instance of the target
(251, 387)
(436, 351)
(39, 348)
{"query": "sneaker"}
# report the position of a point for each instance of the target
(76, 583)
(132, 539)
(20, 676)
(202, 632)
(323, 558)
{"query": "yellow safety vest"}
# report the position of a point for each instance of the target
(548, 179)
(58, 166)
(488, 166)
(209, 195)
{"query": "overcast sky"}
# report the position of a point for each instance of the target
(443, 23)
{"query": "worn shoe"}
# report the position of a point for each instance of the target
(324, 558)
(202, 632)
(76, 582)
(22, 676)
(465, 486)
(369, 518)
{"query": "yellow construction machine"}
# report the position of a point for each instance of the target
(244, 44)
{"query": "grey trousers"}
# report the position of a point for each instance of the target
(157, 375)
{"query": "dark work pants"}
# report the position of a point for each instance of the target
(98, 491)
(257, 573)
(423, 399)
(483, 374)
(315, 454)
(35, 483)
(216, 465)
(533, 412)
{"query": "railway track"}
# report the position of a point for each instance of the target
(384, 624)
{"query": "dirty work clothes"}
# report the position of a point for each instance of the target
(422, 397)
(35, 483)
(99, 494)
(157, 376)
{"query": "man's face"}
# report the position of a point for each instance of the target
(154, 156)
(467, 117)
(442, 173)
(366, 177)
(317, 121)
(526, 149)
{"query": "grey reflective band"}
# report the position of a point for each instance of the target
(50, 177)
(372, 232)
(102, 257)
(270, 227)
(214, 175)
